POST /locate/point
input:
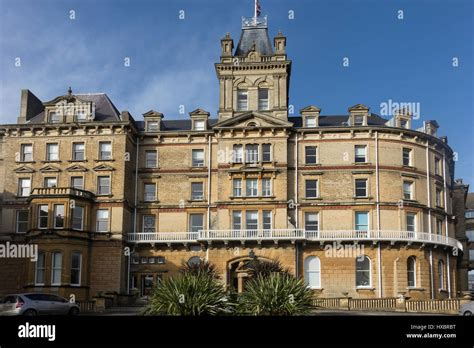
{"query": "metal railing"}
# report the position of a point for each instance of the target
(292, 235)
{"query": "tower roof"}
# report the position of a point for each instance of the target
(254, 32)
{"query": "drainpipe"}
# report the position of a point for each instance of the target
(296, 205)
(209, 183)
(377, 194)
(429, 215)
(446, 223)
(296, 180)
(208, 190)
(134, 214)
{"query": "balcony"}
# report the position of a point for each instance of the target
(383, 236)
(293, 235)
(163, 237)
(252, 235)
(60, 192)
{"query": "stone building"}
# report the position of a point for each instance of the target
(356, 204)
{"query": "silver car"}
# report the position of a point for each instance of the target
(37, 304)
(467, 309)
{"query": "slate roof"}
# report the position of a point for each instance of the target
(105, 110)
(256, 35)
(337, 120)
(324, 121)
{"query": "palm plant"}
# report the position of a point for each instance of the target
(203, 267)
(188, 294)
(265, 268)
(275, 294)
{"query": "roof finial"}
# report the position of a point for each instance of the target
(69, 91)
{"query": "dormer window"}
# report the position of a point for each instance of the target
(81, 116)
(153, 126)
(242, 100)
(310, 122)
(54, 117)
(403, 123)
(359, 121)
(199, 125)
(263, 101)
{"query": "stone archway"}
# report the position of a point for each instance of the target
(238, 271)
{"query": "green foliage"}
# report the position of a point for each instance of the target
(265, 268)
(204, 267)
(188, 294)
(275, 294)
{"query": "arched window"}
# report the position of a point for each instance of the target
(411, 271)
(312, 272)
(363, 275)
(441, 274)
(195, 260)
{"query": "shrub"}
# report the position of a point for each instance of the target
(275, 294)
(204, 267)
(188, 294)
(265, 268)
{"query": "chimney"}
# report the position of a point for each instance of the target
(30, 106)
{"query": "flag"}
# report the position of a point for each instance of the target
(258, 9)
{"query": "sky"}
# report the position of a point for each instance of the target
(413, 51)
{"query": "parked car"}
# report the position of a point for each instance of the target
(467, 309)
(37, 304)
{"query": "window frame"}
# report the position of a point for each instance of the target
(49, 153)
(56, 268)
(74, 178)
(195, 197)
(18, 221)
(149, 161)
(98, 220)
(237, 189)
(23, 153)
(99, 191)
(308, 189)
(55, 216)
(411, 270)
(75, 152)
(146, 227)
(263, 103)
(267, 187)
(357, 157)
(242, 104)
(41, 218)
(252, 188)
(103, 157)
(146, 194)
(195, 162)
(366, 187)
(408, 194)
(77, 269)
(308, 271)
(358, 271)
(42, 268)
(74, 217)
(407, 151)
(21, 187)
(309, 156)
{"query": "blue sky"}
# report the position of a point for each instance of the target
(172, 60)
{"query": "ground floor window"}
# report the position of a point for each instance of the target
(411, 271)
(312, 267)
(363, 276)
(40, 268)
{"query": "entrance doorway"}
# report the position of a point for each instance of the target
(146, 285)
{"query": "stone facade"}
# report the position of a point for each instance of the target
(254, 182)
